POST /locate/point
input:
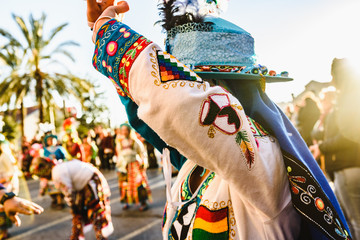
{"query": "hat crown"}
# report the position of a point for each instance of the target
(212, 42)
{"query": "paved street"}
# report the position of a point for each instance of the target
(129, 224)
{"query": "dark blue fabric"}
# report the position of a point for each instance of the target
(177, 160)
(259, 107)
(1, 187)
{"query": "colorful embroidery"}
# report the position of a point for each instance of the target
(310, 200)
(174, 79)
(211, 224)
(128, 60)
(171, 69)
(111, 48)
(243, 140)
(181, 224)
(217, 111)
(256, 129)
(117, 47)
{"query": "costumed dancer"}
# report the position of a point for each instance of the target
(56, 153)
(8, 179)
(71, 140)
(245, 172)
(86, 192)
(131, 167)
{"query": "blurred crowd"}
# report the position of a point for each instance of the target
(98, 147)
(329, 123)
(100, 150)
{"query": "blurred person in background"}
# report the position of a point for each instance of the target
(26, 158)
(307, 117)
(131, 168)
(8, 179)
(341, 143)
(107, 145)
(71, 140)
(54, 152)
(327, 98)
(90, 150)
(86, 192)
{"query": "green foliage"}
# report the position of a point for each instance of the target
(25, 59)
(10, 128)
(95, 113)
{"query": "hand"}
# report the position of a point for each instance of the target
(95, 9)
(18, 205)
(315, 150)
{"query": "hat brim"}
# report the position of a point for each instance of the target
(49, 136)
(241, 76)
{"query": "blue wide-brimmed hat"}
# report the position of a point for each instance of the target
(47, 137)
(218, 49)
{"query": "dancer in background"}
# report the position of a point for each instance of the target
(56, 153)
(131, 167)
(71, 141)
(86, 192)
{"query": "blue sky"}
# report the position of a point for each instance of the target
(301, 37)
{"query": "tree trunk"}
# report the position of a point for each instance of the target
(39, 94)
(64, 108)
(22, 118)
(41, 110)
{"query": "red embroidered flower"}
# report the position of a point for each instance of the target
(111, 48)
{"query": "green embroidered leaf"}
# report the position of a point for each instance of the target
(238, 138)
(131, 53)
(241, 136)
(123, 72)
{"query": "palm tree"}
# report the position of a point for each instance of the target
(19, 83)
(38, 51)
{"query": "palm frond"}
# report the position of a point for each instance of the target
(10, 38)
(23, 28)
(56, 30)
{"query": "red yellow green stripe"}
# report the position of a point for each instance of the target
(210, 224)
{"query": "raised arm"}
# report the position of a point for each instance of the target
(205, 124)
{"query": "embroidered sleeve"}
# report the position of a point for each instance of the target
(116, 48)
